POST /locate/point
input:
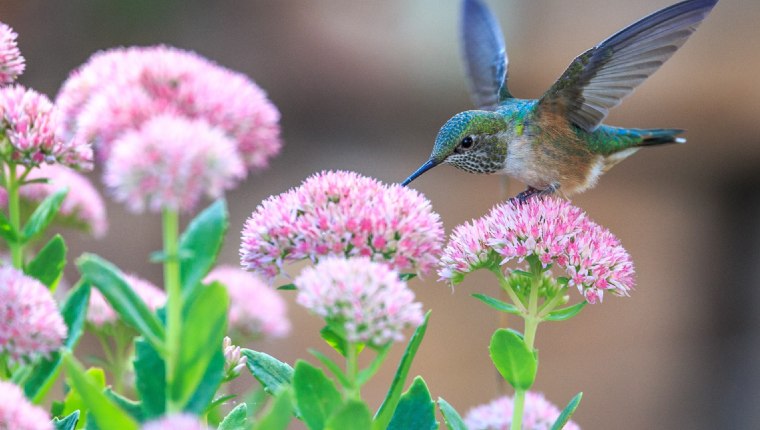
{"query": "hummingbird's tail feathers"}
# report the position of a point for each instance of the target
(660, 136)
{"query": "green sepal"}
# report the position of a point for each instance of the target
(7, 231)
(568, 412)
(287, 287)
(69, 422)
(271, 373)
(451, 417)
(99, 407)
(315, 394)
(131, 309)
(415, 409)
(43, 215)
(354, 415)
(513, 359)
(74, 312)
(332, 367)
(203, 329)
(565, 313)
(498, 304)
(202, 241)
(279, 414)
(237, 419)
(387, 408)
(47, 266)
(150, 379)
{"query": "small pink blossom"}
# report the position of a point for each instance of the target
(83, 205)
(31, 125)
(234, 360)
(181, 421)
(100, 313)
(538, 414)
(11, 61)
(254, 308)
(118, 90)
(366, 297)
(552, 230)
(345, 214)
(30, 324)
(171, 162)
(18, 413)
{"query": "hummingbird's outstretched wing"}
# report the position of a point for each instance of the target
(485, 56)
(597, 80)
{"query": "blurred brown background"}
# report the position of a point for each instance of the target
(365, 86)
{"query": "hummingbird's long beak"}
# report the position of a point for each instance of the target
(424, 168)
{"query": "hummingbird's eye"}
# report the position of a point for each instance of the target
(466, 142)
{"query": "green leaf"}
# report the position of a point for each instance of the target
(385, 413)
(73, 400)
(279, 415)
(332, 367)
(568, 412)
(354, 415)
(47, 266)
(150, 379)
(451, 417)
(415, 409)
(565, 313)
(333, 337)
(513, 359)
(207, 388)
(287, 287)
(67, 423)
(202, 241)
(407, 276)
(497, 304)
(128, 305)
(316, 396)
(44, 214)
(45, 373)
(271, 373)
(237, 419)
(133, 408)
(6, 230)
(366, 374)
(100, 408)
(204, 327)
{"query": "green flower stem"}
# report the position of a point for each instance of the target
(5, 372)
(508, 289)
(352, 371)
(14, 215)
(174, 300)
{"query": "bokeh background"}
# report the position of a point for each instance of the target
(365, 86)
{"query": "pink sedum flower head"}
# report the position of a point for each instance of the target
(255, 309)
(11, 62)
(171, 162)
(31, 125)
(100, 313)
(552, 230)
(118, 90)
(538, 414)
(83, 205)
(31, 324)
(345, 214)
(18, 413)
(181, 421)
(367, 298)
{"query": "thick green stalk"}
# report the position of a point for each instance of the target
(352, 371)
(174, 300)
(14, 215)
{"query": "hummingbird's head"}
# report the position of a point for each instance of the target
(468, 141)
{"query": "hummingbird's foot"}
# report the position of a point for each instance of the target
(531, 192)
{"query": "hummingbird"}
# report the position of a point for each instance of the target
(557, 143)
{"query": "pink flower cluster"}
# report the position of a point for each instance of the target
(118, 90)
(366, 297)
(18, 413)
(554, 231)
(100, 313)
(255, 310)
(83, 205)
(342, 213)
(171, 162)
(538, 414)
(31, 324)
(181, 421)
(11, 61)
(31, 125)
